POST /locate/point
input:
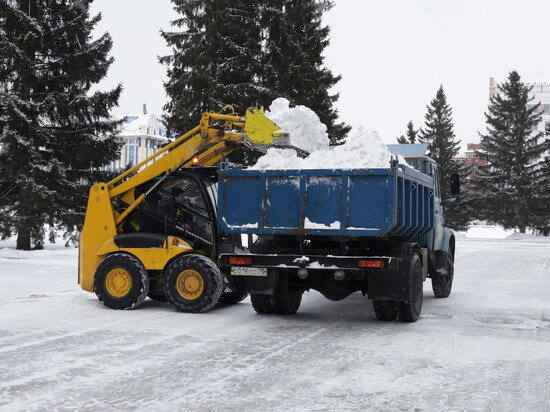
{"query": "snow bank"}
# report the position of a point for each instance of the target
(498, 232)
(529, 238)
(301, 123)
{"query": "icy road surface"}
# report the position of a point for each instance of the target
(487, 347)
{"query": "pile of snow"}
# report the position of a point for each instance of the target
(361, 149)
(529, 238)
(498, 232)
(301, 123)
(487, 232)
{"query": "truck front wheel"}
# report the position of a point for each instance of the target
(442, 284)
(193, 283)
(288, 296)
(409, 310)
(385, 309)
(238, 295)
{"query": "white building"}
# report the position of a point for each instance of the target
(541, 98)
(142, 135)
(541, 94)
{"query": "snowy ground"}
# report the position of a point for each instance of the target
(487, 347)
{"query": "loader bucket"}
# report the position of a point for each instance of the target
(260, 130)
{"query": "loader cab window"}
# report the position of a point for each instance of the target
(192, 195)
(182, 200)
(176, 207)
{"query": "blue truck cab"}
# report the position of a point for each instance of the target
(380, 232)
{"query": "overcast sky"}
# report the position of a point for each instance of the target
(393, 55)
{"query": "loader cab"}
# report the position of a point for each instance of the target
(192, 219)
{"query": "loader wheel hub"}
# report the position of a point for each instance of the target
(190, 284)
(118, 282)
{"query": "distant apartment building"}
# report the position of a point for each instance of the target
(470, 156)
(541, 97)
(142, 135)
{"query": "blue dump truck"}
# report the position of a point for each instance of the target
(376, 231)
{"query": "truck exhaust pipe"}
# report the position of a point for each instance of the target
(302, 273)
(339, 274)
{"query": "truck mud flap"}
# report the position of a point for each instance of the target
(386, 285)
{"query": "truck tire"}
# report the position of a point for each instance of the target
(262, 304)
(238, 295)
(442, 284)
(193, 283)
(121, 281)
(409, 310)
(385, 309)
(232, 298)
(287, 297)
(262, 246)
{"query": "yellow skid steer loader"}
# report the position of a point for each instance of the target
(152, 230)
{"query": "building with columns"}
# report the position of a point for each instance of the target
(142, 135)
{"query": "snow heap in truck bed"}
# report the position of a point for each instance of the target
(361, 149)
(301, 123)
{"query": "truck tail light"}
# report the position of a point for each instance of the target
(371, 264)
(195, 161)
(240, 261)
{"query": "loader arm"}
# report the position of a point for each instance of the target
(207, 144)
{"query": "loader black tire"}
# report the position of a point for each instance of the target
(288, 296)
(121, 281)
(193, 283)
(443, 284)
(262, 304)
(157, 298)
(385, 310)
(156, 291)
(409, 310)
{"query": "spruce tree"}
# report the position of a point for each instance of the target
(411, 135)
(509, 188)
(246, 53)
(295, 40)
(215, 60)
(54, 133)
(443, 147)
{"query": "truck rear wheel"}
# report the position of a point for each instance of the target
(409, 310)
(287, 297)
(121, 281)
(442, 284)
(262, 304)
(385, 309)
(193, 283)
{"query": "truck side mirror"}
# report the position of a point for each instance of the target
(455, 185)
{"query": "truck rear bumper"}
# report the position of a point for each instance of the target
(311, 262)
(320, 273)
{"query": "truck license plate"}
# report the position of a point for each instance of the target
(238, 271)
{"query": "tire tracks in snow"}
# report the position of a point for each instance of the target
(72, 334)
(254, 366)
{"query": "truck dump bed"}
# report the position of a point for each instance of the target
(397, 201)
